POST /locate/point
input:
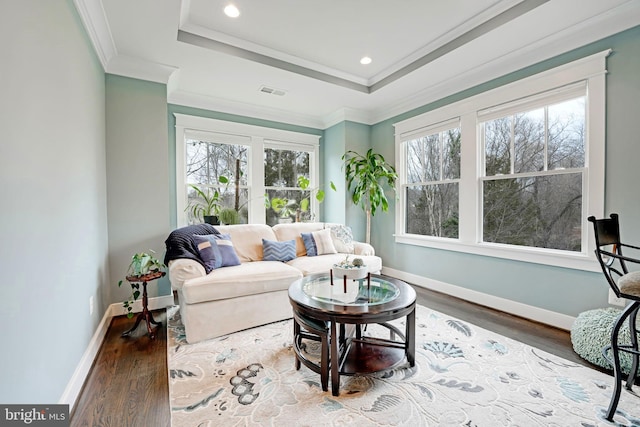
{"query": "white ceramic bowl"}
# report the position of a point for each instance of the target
(351, 273)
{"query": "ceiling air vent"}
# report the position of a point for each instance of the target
(272, 91)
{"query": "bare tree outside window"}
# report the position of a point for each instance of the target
(532, 190)
(207, 161)
(433, 171)
(282, 168)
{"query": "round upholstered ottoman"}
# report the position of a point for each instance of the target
(592, 330)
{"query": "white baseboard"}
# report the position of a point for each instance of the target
(155, 303)
(74, 387)
(538, 314)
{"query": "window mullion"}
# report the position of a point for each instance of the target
(546, 138)
(470, 168)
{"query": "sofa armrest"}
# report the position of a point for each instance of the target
(183, 269)
(361, 248)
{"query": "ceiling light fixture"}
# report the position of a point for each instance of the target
(365, 60)
(231, 11)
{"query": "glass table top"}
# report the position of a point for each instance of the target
(359, 292)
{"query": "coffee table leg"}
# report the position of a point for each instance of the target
(410, 338)
(335, 374)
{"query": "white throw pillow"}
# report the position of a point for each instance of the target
(342, 237)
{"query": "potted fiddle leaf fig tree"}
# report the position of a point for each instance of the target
(366, 177)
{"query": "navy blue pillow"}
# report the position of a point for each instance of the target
(218, 251)
(209, 251)
(278, 251)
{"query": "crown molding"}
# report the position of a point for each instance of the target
(622, 18)
(140, 69)
(94, 19)
(347, 115)
(190, 99)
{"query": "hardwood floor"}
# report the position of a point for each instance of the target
(128, 384)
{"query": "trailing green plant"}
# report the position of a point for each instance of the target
(141, 264)
(366, 177)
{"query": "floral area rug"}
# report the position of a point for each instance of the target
(464, 376)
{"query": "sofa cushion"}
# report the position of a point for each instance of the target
(247, 239)
(246, 279)
(324, 263)
(318, 243)
(279, 251)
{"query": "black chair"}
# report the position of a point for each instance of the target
(315, 330)
(625, 284)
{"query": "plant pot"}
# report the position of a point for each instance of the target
(211, 219)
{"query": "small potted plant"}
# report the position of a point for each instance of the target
(229, 216)
(206, 206)
(351, 269)
(143, 268)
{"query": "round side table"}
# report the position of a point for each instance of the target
(145, 314)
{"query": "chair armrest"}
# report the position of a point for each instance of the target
(621, 257)
(624, 245)
(183, 269)
(361, 248)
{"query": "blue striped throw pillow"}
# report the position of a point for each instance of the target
(278, 251)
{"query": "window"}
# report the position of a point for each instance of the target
(431, 185)
(533, 173)
(513, 172)
(242, 164)
(282, 168)
(217, 164)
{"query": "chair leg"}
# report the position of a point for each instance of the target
(297, 341)
(324, 363)
(615, 349)
(634, 343)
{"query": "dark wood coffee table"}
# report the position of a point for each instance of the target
(375, 300)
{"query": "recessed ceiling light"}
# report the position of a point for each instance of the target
(231, 11)
(365, 60)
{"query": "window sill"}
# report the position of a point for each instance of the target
(556, 258)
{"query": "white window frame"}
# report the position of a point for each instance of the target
(420, 133)
(259, 137)
(590, 71)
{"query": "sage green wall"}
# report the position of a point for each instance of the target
(338, 139)
(53, 220)
(334, 206)
(561, 290)
(179, 109)
(138, 184)
(358, 137)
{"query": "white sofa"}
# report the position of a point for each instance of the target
(254, 293)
